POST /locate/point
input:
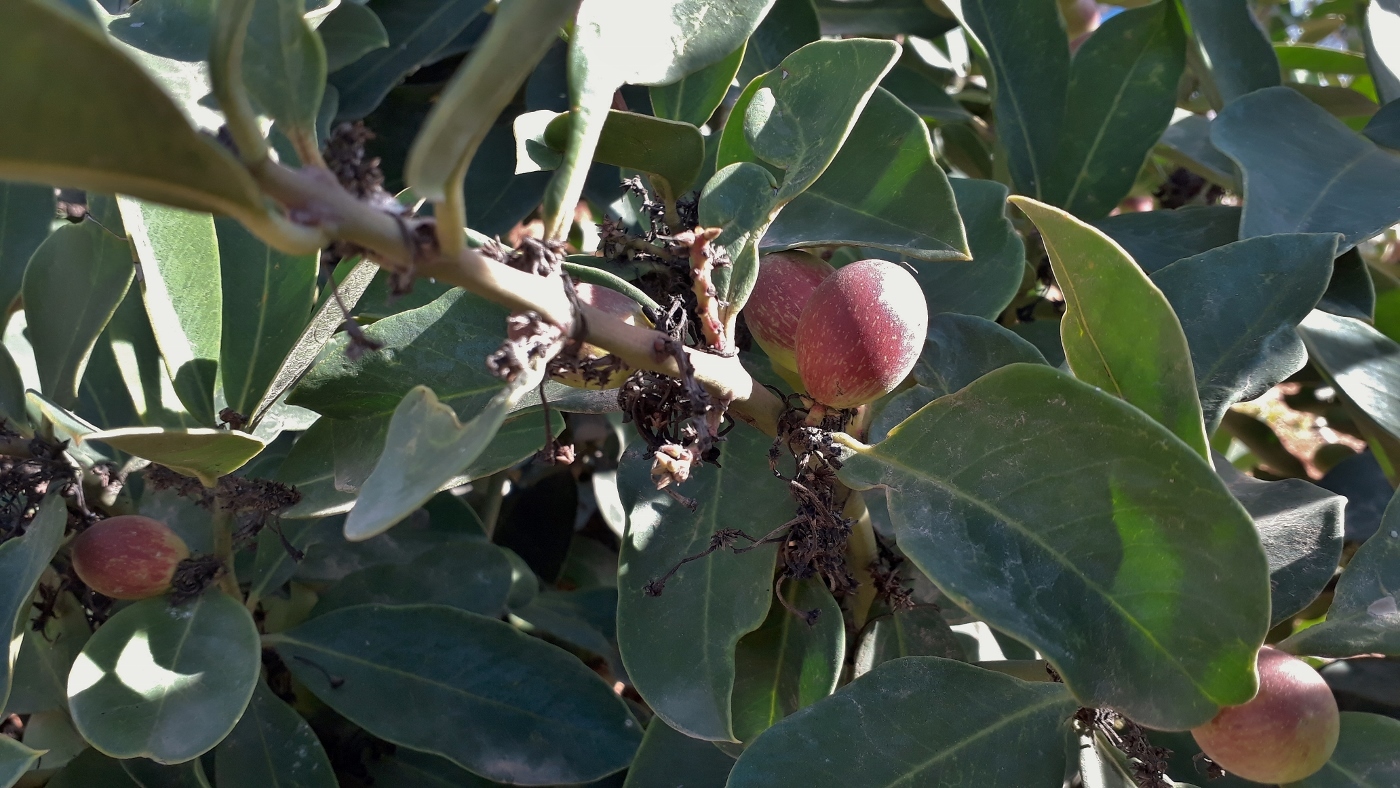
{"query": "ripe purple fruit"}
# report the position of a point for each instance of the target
(860, 333)
(786, 281)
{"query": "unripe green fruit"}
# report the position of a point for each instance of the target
(860, 333)
(786, 281)
(1287, 732)
(613, 303)
(128, 557)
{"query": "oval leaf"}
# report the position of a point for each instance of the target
(918, 632)
(670, 149)
(272, 747)
(26, 214)
(1236, 51)
(668, 758)
(22, 561)
(695, 97)
(204, 454)
(1361, 361)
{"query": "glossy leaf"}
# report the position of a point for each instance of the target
(1156, 239)
(416, 29)
(882, 17)
(884, 189)
(1122, 90)
(898, 713)
(739, 199)
(1384, 126)
(349, 32)
(1300, 526)
(547, 719)
(1237, 53)
(787, 27)
(1124, 545)
(1361, 361)
(985, 286)
(22, 561)
(157, 155)
(26, 215)
(1323, 60)
(90, 768)
(917, 632)
(473, 576)
(166, 683)
(1365, 756)
(788, 663)
(1363, 618)
(1119, 331)
(694, 98)
(1239, 305)
(179, 257)
(1026, 47)
(284, 65)
(149, 774)
(206, 454)
(668, 758)
(673, 150)
(679, 647)
(41, 669)
(15, 760)
(72, 286)
(1304, 170)
(272, 747)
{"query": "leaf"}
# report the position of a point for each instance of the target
(349, 32)
(1025, 44)
(180, 267)
(923, 88)
(695, 97)
(72, 286)
(1365, 755)
(440, 346)
(1187, 143)
(1124, 543)
(1382, 54)
(272, 747)
(91, 768)
(15, 760)
(1361, 361)
(1122, 90)
(787, 27)
(1156, 239)
(1237, 53)
(284, 66)
(26, 214)
(22, 561)
(1300, 526)
(987, 285)
(41, 670)
(1119, 332)
(788, 663)
(1363, 618)
(1384, 126)
(547, 719)
(1322, 60)
(129, 138)
(267, 297)
(884, 189)
(668, 757)
(469, 575)
(416, 29)
(917, 632)
(881, 18)
(409, 769)
(679, 647)
(1239, 305)
(673, 150)
(166, 683)
(202, 453)
(907, 736)
(1304, 171)
(149, 774)
(520, 34)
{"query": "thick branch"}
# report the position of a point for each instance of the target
(314, 197)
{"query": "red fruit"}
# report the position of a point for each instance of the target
(618, 305)
(128, 557)
(860, 333)
(1287, 732)
(786, 281)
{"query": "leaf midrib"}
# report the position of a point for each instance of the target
(969, 740)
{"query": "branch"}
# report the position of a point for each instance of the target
(314, 197)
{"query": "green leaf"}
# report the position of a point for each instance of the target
(26, 215)
(787, 27)
(129, 138)
(1006, 733)
(1156, 239)
(166, 683)
(694, 98)
(203, 453)
(882, 18)
(546, 719)
(1384, 126)
(272, 747)
(180, 267)
(1304, 170)
(1237, 53)
(672, 150)
(16, 759)
(284, 66)
(469, 575)
(22, 561)
(668, 758)
(1025, 44)
(1239, 305)
(1119, 332)
(1363, 618)
(416, 29)
(149, 774)
(350, 32)
(1122, 90)
(1361, 361)
(679, 647)
(441, 346)
(41, 669)
(92, 768)
(267, 299)
(1382, 53)
(923, 88)
(740, 199)
(520, 34)
(917, 632)
(788, 663)
(1187, 143)
(409, 769)
(1300, 526)
(1130, 561)
(884, 189)
(1322, 60)
(72, 286)
(1365, 755)
(987, 285)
